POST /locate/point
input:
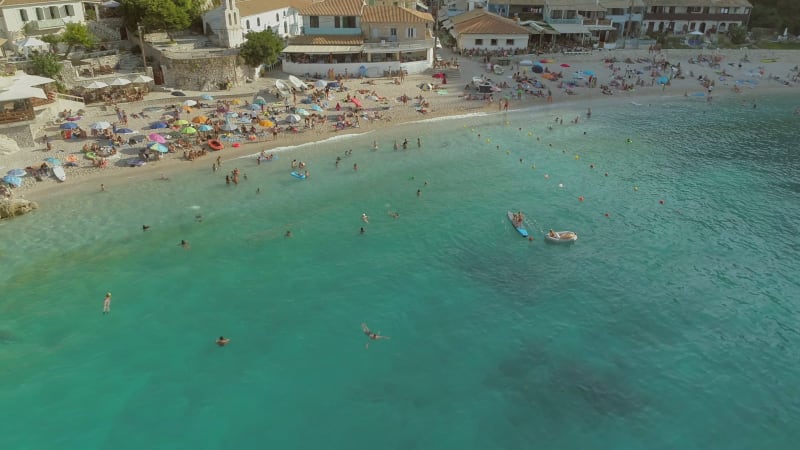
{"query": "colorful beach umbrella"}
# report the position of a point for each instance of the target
(255, 107)
(228, 127)
(591, 73)
(293, 118)
(181, 122)
(316, 107)
(189, 130)
(157, 125)
(53, 161)
(161, 148)
(236, 101)
(199, 119)
(206, 97)
(205, 127)
(564, 65)
(266, 123)
(259, 101)
(155, 137)
(68, 126)
(13, 181)
(17, 173)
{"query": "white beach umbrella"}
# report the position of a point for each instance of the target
(696, 33)
(293, 118)
(96, 85)
(120, 82)
(189, 103)
(141, 79)
(320, 84)
(100, 126)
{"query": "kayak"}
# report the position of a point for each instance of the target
(562, 237)
(301, 176)
(520, 229)
(215, 144)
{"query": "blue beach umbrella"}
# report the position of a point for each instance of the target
(53, 161)
(14, 181)
(589, 72)
(229, 127)
(205, 127)
(259, 101)
(161, 148)
(663, 80)
(16, 173)
(206, 97)
(231, 114)
(124, 131)
(302, 112)
(157, 125)
(69, 126)
(255, 107)
(316, 108)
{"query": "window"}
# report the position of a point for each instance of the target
(258, 21)
(478, 41)
(54, 12)
(313, 22)
(70, 10)
(39, 14)
(23, 15)
(723, 10)
(349, 22)
(285, 28)
(247, 23)
(411, 32)
(392, 31)
(510, 42)
(277, 17)
(337, 22)
(493, 42)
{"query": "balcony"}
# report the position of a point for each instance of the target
(697, 17)
(46, 24)
(380, 45)
(576, 20)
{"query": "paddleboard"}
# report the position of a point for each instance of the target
(299, 175)
(59, 173)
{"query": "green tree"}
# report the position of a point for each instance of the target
(53, 40)
(45, 64)
(161, 15)
(261, 47)
(737, 34)
(77, 34)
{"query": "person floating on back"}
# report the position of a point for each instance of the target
(372, 335)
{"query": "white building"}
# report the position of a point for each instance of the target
(40, 16)
(231, 21)
(482, 30)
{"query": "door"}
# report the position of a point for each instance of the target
(158, 75)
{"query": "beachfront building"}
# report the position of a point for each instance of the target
(481, 30)
(37, 17)
(703, 16)
(229, 23)
(582, 21)
(625, 16)
(351, 37)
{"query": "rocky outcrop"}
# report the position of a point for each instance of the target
(15, 207)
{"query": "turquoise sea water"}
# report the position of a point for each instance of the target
(665, 326)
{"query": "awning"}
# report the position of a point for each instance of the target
(600, 27)
(323, 49)
(570, 28)
(21, 92)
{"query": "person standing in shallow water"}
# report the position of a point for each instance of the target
(107, 303)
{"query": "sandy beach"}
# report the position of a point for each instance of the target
(745, 73)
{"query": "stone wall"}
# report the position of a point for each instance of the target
(23, 133)
(202, 73)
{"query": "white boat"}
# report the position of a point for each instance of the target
(562, 237)
(59, 173)
(283, 89)
(297, 83)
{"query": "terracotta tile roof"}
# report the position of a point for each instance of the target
(333, 8)
(326, 40)
(487, 23)
(701, 3)
(28, 2)
(394, 14)
(254, 7)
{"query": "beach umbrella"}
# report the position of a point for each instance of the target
(537, 68)
(141, 79)
(53, 161)
(696, 33)
(120, 82)
(302, 112)
(178, 94)
(17, 173)
(206, 97)
(231, 114)
(547, 60)
(155, 137)
(13, 181)
(124, 131)
(205, 127)
(589, 72)
(663, 80)
(316, 108)
(100, 126)
(188, 109)
(259, 101)
(181, 122)
(236, 101)
(68, 126)
(228, 127)
(293, 118)
(200, 119)
(564, 65)
(526, 62)
(320, 84)
(189, 130)
(266, 123)
(74, 118)
(96, 85)
(255, 107)
(160, 148)
(189, 103)
(157, 125)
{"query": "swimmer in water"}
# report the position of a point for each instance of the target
(107, 303)
(365, 217)
(223, 341)
(145, 227)
(185, 244)
(288, 233)
(371, 334)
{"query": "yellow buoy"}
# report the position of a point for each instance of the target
(577, 157)
(530, 134)
(488, 140)
(636, 188)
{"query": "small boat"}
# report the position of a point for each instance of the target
(562, 237)
(297, 83)
(59, 173)
(517, 224)
(215, 144)
(299, 175)
(283, 88)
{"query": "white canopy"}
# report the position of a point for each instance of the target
(96, 85)
(120, 82)
(31, 42)
(20, 92)
(141, 79)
